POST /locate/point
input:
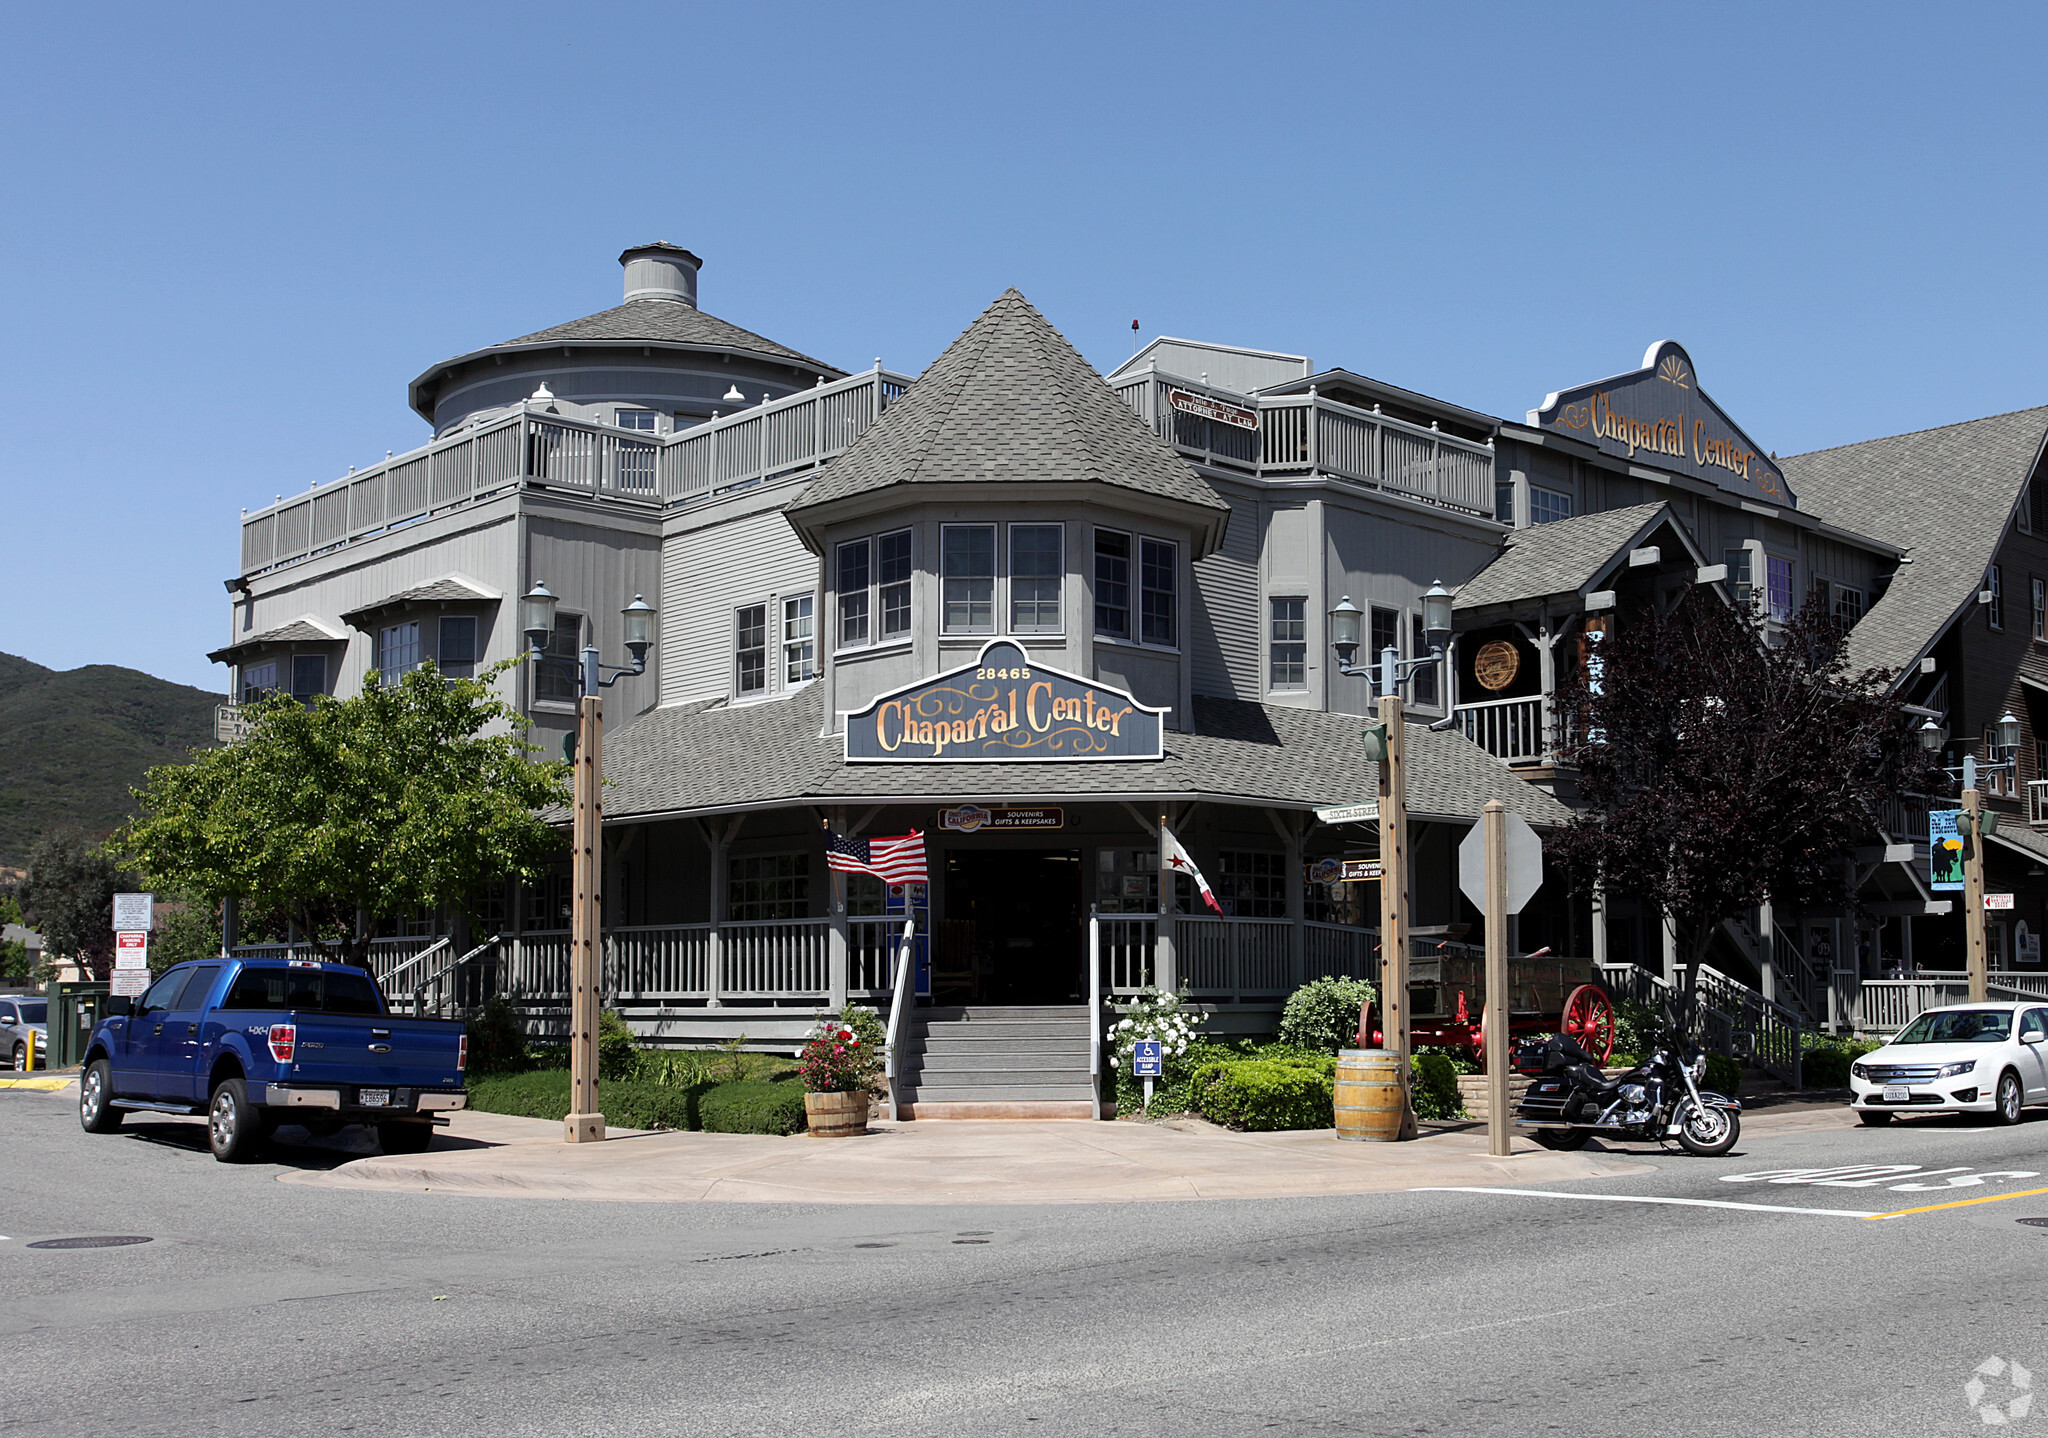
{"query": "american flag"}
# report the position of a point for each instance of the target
(898, 859)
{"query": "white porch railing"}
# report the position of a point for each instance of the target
(385, 956)
(1240, 957)
(1309, 434)
(1127, 951)
(775, 958)
(1515, 731)
(1339, 951)
(871, 950)
(657, 962)
(528, 446)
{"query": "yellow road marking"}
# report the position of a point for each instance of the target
(47, 1084)
(1963, 1203)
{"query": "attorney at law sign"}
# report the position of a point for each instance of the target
(1004, 708)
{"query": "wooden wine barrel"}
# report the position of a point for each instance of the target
(836, 1115)
(1369, 1102)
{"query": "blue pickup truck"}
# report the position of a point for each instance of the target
(252, 1043)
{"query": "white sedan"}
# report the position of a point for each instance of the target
(1967, 1058)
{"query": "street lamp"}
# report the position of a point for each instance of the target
(1385, 743)
(585, 1122)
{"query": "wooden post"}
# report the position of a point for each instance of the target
(1495, 817)
(1973, 897)
(585, 1122)
(1394, 897)
(836, 951)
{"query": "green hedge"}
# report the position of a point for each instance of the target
(1434, 1087)
(753, 1105)
(1264, 1094)
(1825, 1063)
(1724, 1075)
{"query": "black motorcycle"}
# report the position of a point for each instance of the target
(1570, 1100)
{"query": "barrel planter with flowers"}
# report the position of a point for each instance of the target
(838, 1070)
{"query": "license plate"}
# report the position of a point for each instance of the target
(374, 1098)
(1894, 1093)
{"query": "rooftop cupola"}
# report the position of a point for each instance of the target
(661, 271)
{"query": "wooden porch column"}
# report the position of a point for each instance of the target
(721, 837)
(1290, 831)
(1598, 937)
(1165, 971)
(1767, 960)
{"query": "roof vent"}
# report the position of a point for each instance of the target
(661, 271)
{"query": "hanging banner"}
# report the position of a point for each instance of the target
(1944, 849)
(1004, 708)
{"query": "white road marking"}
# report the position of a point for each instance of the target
(1677, 1202)
(1879, 1175)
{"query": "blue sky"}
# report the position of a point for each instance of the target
(233, 234)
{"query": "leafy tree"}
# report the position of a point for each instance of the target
(1722, 766)
(407, 796)
(69, 899)
(14, 963)
(186, 929)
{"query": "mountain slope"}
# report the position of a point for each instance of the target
(73, 742)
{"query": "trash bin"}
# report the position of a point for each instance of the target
(74, 1009)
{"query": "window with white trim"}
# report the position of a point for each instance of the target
(1778, 587)
(1112, 583)
(1994, 580)
(1547, 506)
(398, 650)
(1386, 632)
(856, 575)
(1287, 643)
(1038, 563)
(1848, 604)
(799, 648)
(769, 886)
(750, 649)
(558, 676)
(1423, 689)
(309, 677)
(640, 419)
(2040, 596)
(259, 681)
(872, 581)
(455, 655)
(1740, 582)
(1159, 591)
(967, 578)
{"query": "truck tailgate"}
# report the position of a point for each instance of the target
(386, 1052)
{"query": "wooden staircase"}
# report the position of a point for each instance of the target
(989, 1062)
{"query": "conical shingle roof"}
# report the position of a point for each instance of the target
(1009, 402)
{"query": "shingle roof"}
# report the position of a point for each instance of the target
(303, 630)
(448, 589)
(665, 322)
(1010, 401)
(1944, 496)
(1559, 558)
(712, 756)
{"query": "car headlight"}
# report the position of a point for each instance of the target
(1860, 1071)
(1952, 1070)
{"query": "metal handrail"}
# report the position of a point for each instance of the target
(391, 980)
(1094, 1013)
(906, 961)
(434, 979)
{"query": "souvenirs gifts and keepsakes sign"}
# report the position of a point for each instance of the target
(972, 819)
(1004, 708)
(1659, 416)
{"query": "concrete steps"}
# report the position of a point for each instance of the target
(985, 1055)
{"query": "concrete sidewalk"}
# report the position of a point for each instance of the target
(960, 1161)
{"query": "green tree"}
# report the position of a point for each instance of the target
(186, 929)
(14, 964)
(407, 796)
(69, 899)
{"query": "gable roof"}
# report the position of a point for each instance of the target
(1564, 557)
(448, 589)
(1010, 401)
(1943, 495)
(306, 629)
(714, 757)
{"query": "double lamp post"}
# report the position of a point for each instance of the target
(1386, 742)
(585, 1123)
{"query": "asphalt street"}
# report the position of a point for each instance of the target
(1757, 1304)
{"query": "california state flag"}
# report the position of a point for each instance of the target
(1177, 860)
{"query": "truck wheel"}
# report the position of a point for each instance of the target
(234, 1129)
(405, 1137)
(21, 1058)
(96, 1111)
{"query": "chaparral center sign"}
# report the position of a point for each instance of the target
(1004, 708)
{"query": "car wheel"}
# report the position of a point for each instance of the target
(96, 1111)
(1872, 1120)
(2010, 1098)
(21, 1058)
(234, 1130)
(405, 1137)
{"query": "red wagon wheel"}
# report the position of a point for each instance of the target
(1589, 1021)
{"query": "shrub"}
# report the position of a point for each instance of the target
(771, 1106)
(1458, 1060)
(1825, 1063)
(497, 1040)
(1724, 1075)
(1435, 1085)
(1170, 1094)
(1636, 1027)
(618, 1052)
(1323, 1014)
(1260, 1095)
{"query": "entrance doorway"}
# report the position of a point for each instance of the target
(1012, 930)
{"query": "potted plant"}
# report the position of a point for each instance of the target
(838, 1069)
